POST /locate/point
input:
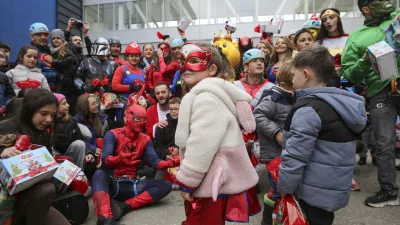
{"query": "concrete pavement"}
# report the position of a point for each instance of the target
(170, 211)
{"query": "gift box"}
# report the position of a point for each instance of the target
(393, 37)
(383, 60)
(25, 170)
(183, 24)
(64, 175)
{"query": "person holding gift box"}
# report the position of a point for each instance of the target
(124, 148)
(356, 67)
(26, 74)
(35, 119)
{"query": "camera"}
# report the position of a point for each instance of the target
(78, 24)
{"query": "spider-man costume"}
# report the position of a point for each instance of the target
(124, 148)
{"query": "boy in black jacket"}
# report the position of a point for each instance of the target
(164, 142)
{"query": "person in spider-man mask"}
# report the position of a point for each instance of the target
(116, 189)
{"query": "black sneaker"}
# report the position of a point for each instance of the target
(362, 161)
(119, 209)
(382, 199)
(106, 221)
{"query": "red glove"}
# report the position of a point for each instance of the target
(174, 161)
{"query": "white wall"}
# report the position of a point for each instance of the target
(204, 33)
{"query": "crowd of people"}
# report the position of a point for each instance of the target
(311, 98)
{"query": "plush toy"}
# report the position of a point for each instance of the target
(224, 41)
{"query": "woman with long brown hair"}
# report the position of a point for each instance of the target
(281, 53)
(64, 63)
(91, 122)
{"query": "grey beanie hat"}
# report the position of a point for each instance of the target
(57, 33)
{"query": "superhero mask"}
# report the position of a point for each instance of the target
(135, 117)
(166, 47)
(381, 8)
(195, 58)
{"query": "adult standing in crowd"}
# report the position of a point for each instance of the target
(39, 39)
(77, 40)
(115, 50)
(356, 66)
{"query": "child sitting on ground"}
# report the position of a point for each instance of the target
(164, 142)
(270, 115)
(319, 138)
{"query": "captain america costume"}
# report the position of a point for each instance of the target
(124, 148)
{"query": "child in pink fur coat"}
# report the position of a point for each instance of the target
(216, 172)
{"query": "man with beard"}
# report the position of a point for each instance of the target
(75, 43)
(356, 67)
(39, 35)
(115, 50)
(157, 114)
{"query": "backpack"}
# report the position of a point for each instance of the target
(73, 205)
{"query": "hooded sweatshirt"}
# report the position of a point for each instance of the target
(319, 146)
(214, 159)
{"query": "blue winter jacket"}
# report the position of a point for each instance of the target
(319, 147)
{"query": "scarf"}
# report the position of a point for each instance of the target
(147, 62)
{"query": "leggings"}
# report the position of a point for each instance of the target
(34, 206)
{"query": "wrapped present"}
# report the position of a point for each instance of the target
(64, 175)
(383, 60)
(23, 142)
(20, 172)
(110, 100)
(183, 24)
(81, 184)
(29, 83)
(287, 211)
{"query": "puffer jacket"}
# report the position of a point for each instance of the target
(270, 115)
(165, 137)
(22, 73)
(319, 146)
(66, 68)
(65, 134)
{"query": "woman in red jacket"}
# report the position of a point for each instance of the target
(164, 68)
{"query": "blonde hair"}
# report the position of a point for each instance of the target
(274, 55)
(285, 74)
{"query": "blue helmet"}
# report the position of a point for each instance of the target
(312, 24)
(177, 43)
(253, 54)
(38, 28)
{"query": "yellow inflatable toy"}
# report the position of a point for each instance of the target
(228, 48)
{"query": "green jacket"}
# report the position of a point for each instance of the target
(354, 67)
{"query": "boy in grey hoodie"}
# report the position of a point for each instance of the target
(319, 138)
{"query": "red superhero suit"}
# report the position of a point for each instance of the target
(124, 148)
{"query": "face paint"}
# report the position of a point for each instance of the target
(381, 8)
(194, 58)
(135, 117)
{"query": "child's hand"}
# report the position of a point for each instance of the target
(160, 53)
(186, 196)
(278, 137)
